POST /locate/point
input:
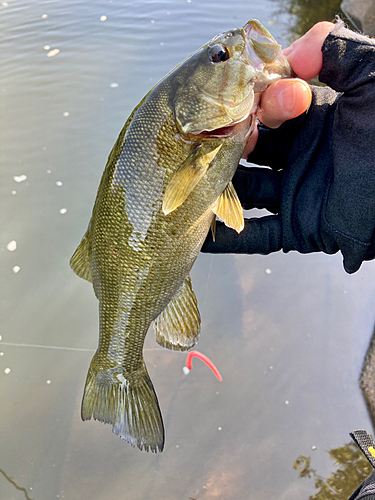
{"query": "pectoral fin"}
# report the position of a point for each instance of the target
(229, 209)
(187, 176)
(178, 326)
(213, 228)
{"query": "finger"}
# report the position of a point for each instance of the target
(258, 187)
(284, 100)
(251, 142)
(281, 101)
(305, 54)
(261, 236)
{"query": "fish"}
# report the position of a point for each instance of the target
(166, 180)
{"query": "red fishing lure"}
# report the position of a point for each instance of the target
(205, 359)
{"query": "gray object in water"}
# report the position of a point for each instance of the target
(361, 13)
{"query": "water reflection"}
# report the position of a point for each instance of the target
(19, 488)
(351, 466)
(367, 380)
(303, 14)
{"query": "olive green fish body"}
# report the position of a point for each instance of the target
(167, 177)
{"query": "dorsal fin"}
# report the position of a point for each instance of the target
(81, 262)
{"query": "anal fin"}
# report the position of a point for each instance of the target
(178, 326)
(229, 209)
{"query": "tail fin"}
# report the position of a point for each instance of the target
(127, 401)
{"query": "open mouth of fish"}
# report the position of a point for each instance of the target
(227, 131)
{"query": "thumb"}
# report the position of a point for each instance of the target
(284, 100)
(281, 101)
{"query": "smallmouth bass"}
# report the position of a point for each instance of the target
(167, 178)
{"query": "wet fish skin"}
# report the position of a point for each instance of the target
(166, 177)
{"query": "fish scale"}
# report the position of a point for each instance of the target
(167, 177)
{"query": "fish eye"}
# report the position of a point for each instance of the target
(218, 53)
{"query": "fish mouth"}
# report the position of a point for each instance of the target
(261, 48)
(255, 29)
(227, 131)
(264, 54)
(219, 132)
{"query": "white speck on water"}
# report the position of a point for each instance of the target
(313, 447)
(1, 354)
(177, 445)
(48, 382)
(217, 392)
(345, 292)
(286, 402)
(48, 171)
(5, 4)
(152, 21)
(63, 211)
(53, 52)
(16, 269)
(14, 192)
(58, 183)
(44, 148)
(114, 85)
(44, 16)
(103, 18)
(270, 367)
(66, 113)
(7, 371)
(161, 43)
(188, 1)
(186, 370)
(268, 271)
(168, 13)
(1, 338)
(12, 245)
(19, 178)
(46, 47)
(308, 335)
(219, 428)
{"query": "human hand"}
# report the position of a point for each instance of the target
(321, 183)
(290, 97)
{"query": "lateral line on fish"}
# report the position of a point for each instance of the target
(62, 348)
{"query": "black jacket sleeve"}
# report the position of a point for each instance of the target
(322, 185)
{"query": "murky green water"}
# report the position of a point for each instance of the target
(288, 332)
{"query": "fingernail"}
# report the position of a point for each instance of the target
(287, 97)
